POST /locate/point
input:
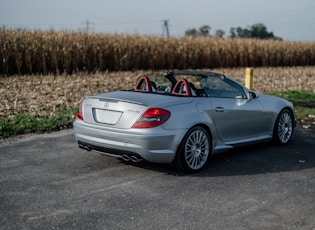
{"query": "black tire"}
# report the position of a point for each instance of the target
(194, 150)
(284, 127)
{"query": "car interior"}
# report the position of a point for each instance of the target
(190, 85)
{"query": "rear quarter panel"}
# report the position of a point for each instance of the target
(185, 116)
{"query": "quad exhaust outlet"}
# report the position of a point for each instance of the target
(132, 158)
(85, 147)
(125, 157)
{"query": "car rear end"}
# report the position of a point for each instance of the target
(127, 125)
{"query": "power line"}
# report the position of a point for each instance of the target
(128, 22)
(165, 28)
(88, 25)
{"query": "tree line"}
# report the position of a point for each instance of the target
(258, 30)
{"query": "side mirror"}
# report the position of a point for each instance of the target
(253, 95)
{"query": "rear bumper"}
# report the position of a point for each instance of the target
(153, 145)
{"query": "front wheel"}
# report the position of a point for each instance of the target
(194, 150)
(284, 127)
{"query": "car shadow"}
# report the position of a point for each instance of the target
(254, 159)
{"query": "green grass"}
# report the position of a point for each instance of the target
(296, 97)
(304, 105)
(304, 113)
(22, 123)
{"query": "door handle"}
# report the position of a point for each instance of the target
(220, 109)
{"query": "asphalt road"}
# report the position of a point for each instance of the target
(47, 182)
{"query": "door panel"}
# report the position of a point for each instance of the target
(237, 119)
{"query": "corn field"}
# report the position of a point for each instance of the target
(51, 52)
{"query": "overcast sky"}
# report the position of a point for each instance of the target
(290, 19)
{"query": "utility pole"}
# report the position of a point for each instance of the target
(165, 28)
(87, 25)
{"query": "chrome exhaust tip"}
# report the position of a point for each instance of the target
(85, 147)
(132, 158)
(125, 157)
(135, 159)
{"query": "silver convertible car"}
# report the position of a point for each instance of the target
(181, 117)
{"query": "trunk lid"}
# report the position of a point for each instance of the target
(121, 109)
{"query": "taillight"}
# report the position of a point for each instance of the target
(151, 118)
(80, 114)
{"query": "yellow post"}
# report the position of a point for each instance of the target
(249, 78)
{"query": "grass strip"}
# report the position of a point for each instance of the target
(297, 97)
(23, 123)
